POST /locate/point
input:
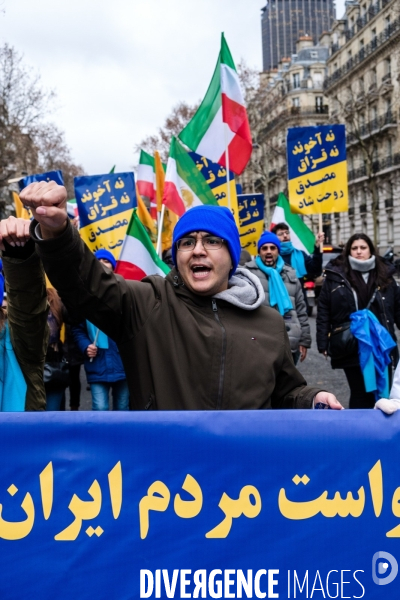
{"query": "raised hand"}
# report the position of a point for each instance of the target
(47, 201)
(14, 231)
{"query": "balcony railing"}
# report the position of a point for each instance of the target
(306, 111)
(392, 160)
(372, 127)
(305, 84)
(373, 10)
(365, 51)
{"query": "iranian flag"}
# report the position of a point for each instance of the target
(301, 236)
(146, 181)
(221, 120)
(185, 187)
(138, 257)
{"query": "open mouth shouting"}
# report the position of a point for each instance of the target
(200, 271)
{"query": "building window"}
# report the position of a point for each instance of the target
(364, 225)
(319, 104)
(373, 77)
(361, 85)
(296, 102)
(389, 147)
(296, 80)
(390, 230)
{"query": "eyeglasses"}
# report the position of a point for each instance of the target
(283, 233)
(210, 242)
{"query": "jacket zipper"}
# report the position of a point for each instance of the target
(222, 369)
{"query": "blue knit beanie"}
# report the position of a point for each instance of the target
(269, 238)
(217, 220)
(103, 253)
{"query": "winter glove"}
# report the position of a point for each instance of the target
(388, 406)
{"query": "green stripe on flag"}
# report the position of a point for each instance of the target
(146, 159)
(226, 56)
(294, 221)
(195, 130)
(190, 174)
(137, 230)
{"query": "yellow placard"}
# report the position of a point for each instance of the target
(322, 191)
(108, 233)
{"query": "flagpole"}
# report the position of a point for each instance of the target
(160, 227)
(227, 167)
(320, 225)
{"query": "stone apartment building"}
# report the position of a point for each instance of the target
(353, 77)
(294, 96)
(363, 91)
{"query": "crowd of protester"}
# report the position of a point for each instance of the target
(359, 300)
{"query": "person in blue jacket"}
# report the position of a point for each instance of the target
(102, 361)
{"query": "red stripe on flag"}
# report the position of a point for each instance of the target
(239, 155)
(240, 147)
(146, 189)
(234, 114)
(172, 200)
(129, 270)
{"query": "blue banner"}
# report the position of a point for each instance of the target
(251, 220)
(105, 204)
(56, 176)
(317, 169)
(267, 504)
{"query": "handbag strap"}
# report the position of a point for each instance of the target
(372, 298)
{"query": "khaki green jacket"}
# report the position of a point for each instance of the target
(27, 317)
(179, 350)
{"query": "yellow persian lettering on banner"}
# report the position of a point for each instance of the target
(221, 194)
(322, 191)
(250, 234)
(108, 233)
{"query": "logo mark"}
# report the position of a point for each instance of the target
(380, 565)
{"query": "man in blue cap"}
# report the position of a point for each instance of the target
(282, 292)
(198, 339)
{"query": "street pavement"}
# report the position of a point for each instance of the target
(316, 370)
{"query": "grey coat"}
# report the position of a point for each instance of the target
(296, 321)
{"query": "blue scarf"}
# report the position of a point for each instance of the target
(296, 259)
(278, 294)
(374, 346)
(12, 381)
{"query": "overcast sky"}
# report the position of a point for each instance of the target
(119, 66)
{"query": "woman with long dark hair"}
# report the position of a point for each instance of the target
(357, 279)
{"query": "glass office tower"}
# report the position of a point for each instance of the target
(284, 21)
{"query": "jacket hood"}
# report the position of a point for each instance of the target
(245, 290)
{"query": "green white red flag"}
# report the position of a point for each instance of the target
(301, 236)
(146, 181)
(185, 187)
(138, 257)
(221, 121)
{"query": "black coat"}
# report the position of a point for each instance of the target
(336, 303)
